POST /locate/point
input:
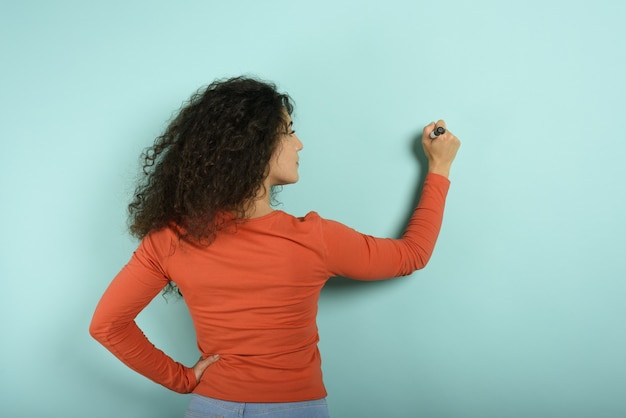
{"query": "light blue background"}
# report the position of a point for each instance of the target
(521, 310)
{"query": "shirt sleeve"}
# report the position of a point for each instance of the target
(363, 257)
(113, 323)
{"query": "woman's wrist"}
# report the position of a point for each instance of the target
(442, 170)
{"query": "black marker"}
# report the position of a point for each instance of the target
(436, 132)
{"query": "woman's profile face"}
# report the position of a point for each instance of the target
(284, 163)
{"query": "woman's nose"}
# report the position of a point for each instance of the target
(299, 144)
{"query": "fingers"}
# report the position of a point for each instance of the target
(209, 360)
(203, 364)
(430, 128)
(440, 150)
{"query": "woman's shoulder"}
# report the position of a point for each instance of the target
(161, 241)
(287, 222)
(310, 217)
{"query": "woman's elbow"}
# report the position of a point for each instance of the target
(99, 329)
(95, 330)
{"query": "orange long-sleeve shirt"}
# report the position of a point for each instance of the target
(253, 295)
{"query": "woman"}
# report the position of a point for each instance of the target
(250, 275)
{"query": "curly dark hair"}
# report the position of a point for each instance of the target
(212, 158)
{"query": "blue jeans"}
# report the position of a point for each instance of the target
(203, 407)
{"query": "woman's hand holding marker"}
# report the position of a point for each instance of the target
(440, 147)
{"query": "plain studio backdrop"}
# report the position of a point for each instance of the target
(520, 312)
